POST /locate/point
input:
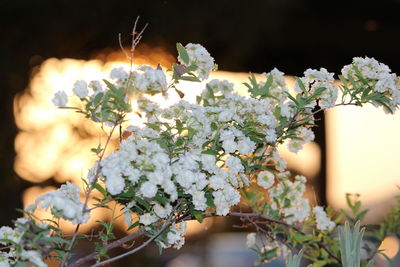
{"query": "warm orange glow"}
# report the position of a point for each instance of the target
(390, 246)
(194, 227)
(363, 157)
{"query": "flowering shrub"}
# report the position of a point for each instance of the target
(193, 161)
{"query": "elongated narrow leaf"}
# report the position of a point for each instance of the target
(183, 54)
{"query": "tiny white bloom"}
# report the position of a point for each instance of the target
(60, 99)
(80, 89)
(251, 240)
(266, 179)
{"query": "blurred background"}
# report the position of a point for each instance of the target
(46, 45)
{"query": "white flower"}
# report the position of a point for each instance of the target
(80, 89)
(150, 80)
(246, 146)
(147, 219)
(200, 57)
(225, 198)
(4, 259)
(162, 212)
(185, 178)
(295, 145)
(60, 99)
(96, 86)
(175, 236)
(226, 115)
(10, 234)
(148, 189)
(323, 222)
(251, 240)
(118, 74)
(115, 184)
(268, 120)
(92, 172)
(270, 135)
(306, 134)
(217, 182)
(216, 88)
(234, 164)
(65, 202)
(287, 110)
(229, 146)
(199, 200)
(298, 211)
(33, 257)
(209, 163)
(266, 179)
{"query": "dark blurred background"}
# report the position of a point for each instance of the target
(241, 35)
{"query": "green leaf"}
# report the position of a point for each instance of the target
(293, 99)
(191, 68)
(161, 198)
(210, 152)
(318, 92)
(97, 98)
(110, 86)
(100, 189)
(190, 78)
(301, 85)
(197, 214)
(135, 224)
(183, 54)
(210, 199)
(143, 203)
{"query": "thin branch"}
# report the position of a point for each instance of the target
(115, 244)
(122, 241)
(148, 241)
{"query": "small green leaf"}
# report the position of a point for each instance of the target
(301, 85)
(190, 78)
(183, 54)
(210, 199)
(197, 214)
(100, 189)
(210, 152)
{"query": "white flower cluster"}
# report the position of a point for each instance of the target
(323, 222)
(149, 80)
(200, 57)
(315, 79)
(10, 236)
(144, 166)
(175, 236)
(278, 88)
(80, 89)
(119, 75)
(60, 99)
(383, 80)
(64, 202)
(34, 257)
(289, 199)
(266, 179)
(305, 135)
(216, 89)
